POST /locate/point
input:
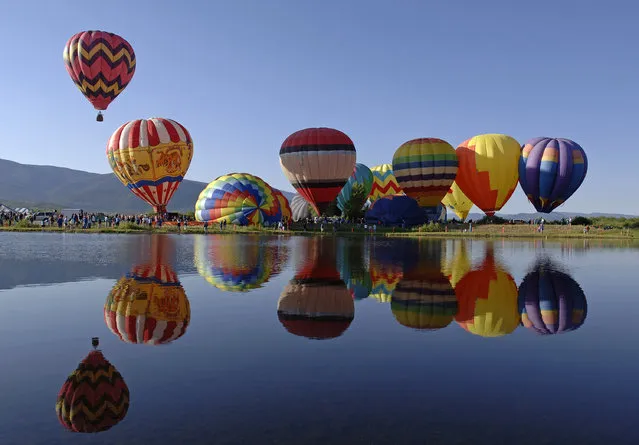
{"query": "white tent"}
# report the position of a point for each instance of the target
(23, 211)
(5, 209)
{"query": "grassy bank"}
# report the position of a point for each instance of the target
(479, 231)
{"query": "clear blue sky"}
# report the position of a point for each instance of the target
(242, 75)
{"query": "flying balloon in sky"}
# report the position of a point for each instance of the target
(488, 170)
(101, 64)
(425, 169)
(151, 157)
(551, 170)
(318, 162)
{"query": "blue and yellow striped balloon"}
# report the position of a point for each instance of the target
(425, 169)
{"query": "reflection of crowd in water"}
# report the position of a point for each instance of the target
(426, 288)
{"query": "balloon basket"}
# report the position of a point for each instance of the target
(99, 117)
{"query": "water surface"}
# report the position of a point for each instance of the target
(287, 340)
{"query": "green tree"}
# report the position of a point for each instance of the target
(353, 207)
(581, 221)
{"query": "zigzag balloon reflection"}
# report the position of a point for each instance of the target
(239, 263)
(94, 397)
(316, 303)
(551, 301)
(148, 305)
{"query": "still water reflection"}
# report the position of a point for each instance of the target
(275, 339)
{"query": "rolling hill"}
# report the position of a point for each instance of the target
(43, 186)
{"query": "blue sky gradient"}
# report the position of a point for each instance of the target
(242, 75)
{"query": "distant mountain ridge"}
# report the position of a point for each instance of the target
(43, 186)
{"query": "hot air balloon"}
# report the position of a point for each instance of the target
(384, 182)
(363, 176)
(238, 198)
(101, 64)
(285, 207)
(457, 201)
(550, 171)
(316, 303)
(149, 305)
(488, 170)
(394, 210)
(487, 299)
(425, 169)
(233, 262)
(551, 301)
(151, 157)
(300, 208)
(94, 397)
(318, 162)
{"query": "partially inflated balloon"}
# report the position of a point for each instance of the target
(457, 201)
(488, 170)
(318, 162)
(384, 182)
(300, 209)
(151, 157)
(285, 207)
(363, 176)
(101, 64)
(238, 198)
(425, 169)
(550, 171)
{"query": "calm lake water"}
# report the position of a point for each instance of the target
(231, 339)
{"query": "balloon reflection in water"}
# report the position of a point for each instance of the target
(316, 302)
(149, 305)
(551, 301)
(459, 265)
(94, 397)
(487, 299)
(352, 267)
(424, 298)
(386, 271)
(239, 263)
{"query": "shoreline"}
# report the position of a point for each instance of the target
(481, 232)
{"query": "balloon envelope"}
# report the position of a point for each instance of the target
(300, 207)
(457, 201)
(488, 170)
(285, 207)
(425, 169)
(318, 162)
(550, 171)
(363, 176)
(395, 210)
(238, 198)
(384, 182)
(151, 157)
(101, 64)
